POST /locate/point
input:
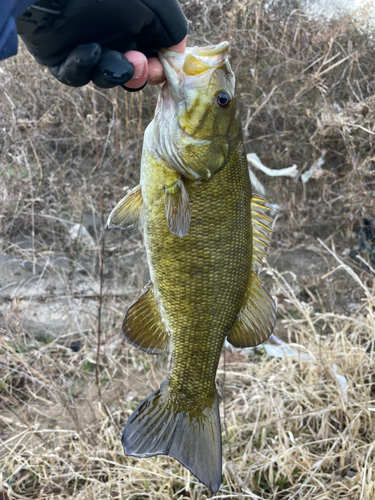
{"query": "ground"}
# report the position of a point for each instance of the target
(297, 419)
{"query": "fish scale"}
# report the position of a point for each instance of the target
(198, 333)
(203, 233)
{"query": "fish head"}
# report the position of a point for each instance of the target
(197, 115)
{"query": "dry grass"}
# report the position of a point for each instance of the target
(290, 431)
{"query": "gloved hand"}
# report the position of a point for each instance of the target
(83, 40)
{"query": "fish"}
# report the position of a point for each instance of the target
(205, 234)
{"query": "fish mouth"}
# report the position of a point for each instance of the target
(210, 50)
(193, 62)
(186, 74)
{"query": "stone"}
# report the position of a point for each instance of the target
(17, 278)
(57, 297)
(300, 262)
(67, 319)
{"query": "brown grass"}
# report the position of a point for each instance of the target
(289, 429)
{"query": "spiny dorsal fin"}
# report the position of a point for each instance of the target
(257, 317)
(261, 229)
(142, 324)
(128, 212)
(177, 208)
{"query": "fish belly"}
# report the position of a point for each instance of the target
(200, 280)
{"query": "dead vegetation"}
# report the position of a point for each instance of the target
(296, 426)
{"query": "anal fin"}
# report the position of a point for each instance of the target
(177, 208)
(128, 212)
(257, 317)
(142, 325)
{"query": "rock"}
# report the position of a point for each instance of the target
(79, 233)
(17, 278)
(68, 318)
(121, 275)
(93, 223)
(300, 262)
(58, 275)
(58, 296)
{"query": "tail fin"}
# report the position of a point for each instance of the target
(159, 427)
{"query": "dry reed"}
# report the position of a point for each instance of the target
(293, 427)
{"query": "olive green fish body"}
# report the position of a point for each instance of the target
(203, 232)
(200, 280)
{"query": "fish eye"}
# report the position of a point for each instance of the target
(223, 99)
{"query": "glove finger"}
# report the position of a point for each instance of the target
(112, 69)
(77, 68)
(170, 26)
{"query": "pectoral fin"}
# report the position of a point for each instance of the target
(257, 317)
(142, 324)
(128, 212)
(177, 208)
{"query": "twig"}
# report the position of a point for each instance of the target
(99, 327)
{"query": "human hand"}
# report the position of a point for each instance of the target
(148, 70)
(86, 40)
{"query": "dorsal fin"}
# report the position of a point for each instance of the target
(142, 324)
(128, 212)
(261, 229)
(177, 208)
(257, 317)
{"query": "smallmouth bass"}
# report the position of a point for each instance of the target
(203, 232)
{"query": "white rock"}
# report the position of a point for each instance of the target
(78, 231)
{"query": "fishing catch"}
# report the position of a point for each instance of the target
(204, 231)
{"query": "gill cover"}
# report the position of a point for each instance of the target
(193, 132)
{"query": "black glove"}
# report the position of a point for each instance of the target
(83, 40)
